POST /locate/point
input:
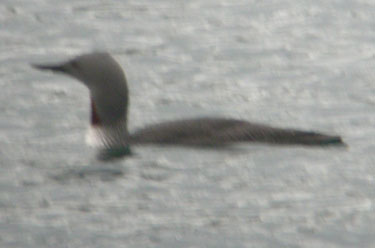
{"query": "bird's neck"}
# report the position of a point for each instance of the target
(109, 120)
(95, 121)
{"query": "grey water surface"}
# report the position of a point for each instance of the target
(290, 63)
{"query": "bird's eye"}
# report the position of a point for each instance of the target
(75, 64)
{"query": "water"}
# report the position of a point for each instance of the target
(305, 64)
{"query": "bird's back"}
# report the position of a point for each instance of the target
(221, 131)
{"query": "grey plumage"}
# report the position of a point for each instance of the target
(219, 131)
(109, 93)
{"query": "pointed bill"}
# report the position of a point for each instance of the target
(54, 68)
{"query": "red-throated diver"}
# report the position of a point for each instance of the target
(109, 105)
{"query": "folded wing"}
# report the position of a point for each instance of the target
(220, 131)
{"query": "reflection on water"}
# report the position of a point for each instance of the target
(104, 174)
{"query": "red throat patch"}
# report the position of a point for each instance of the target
(95, 121)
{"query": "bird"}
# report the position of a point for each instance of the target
(109, 96)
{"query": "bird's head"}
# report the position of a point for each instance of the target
(97, 71)
(106, 81)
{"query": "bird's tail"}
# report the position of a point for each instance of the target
(308, 138)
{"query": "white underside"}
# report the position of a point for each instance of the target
(93, 137)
